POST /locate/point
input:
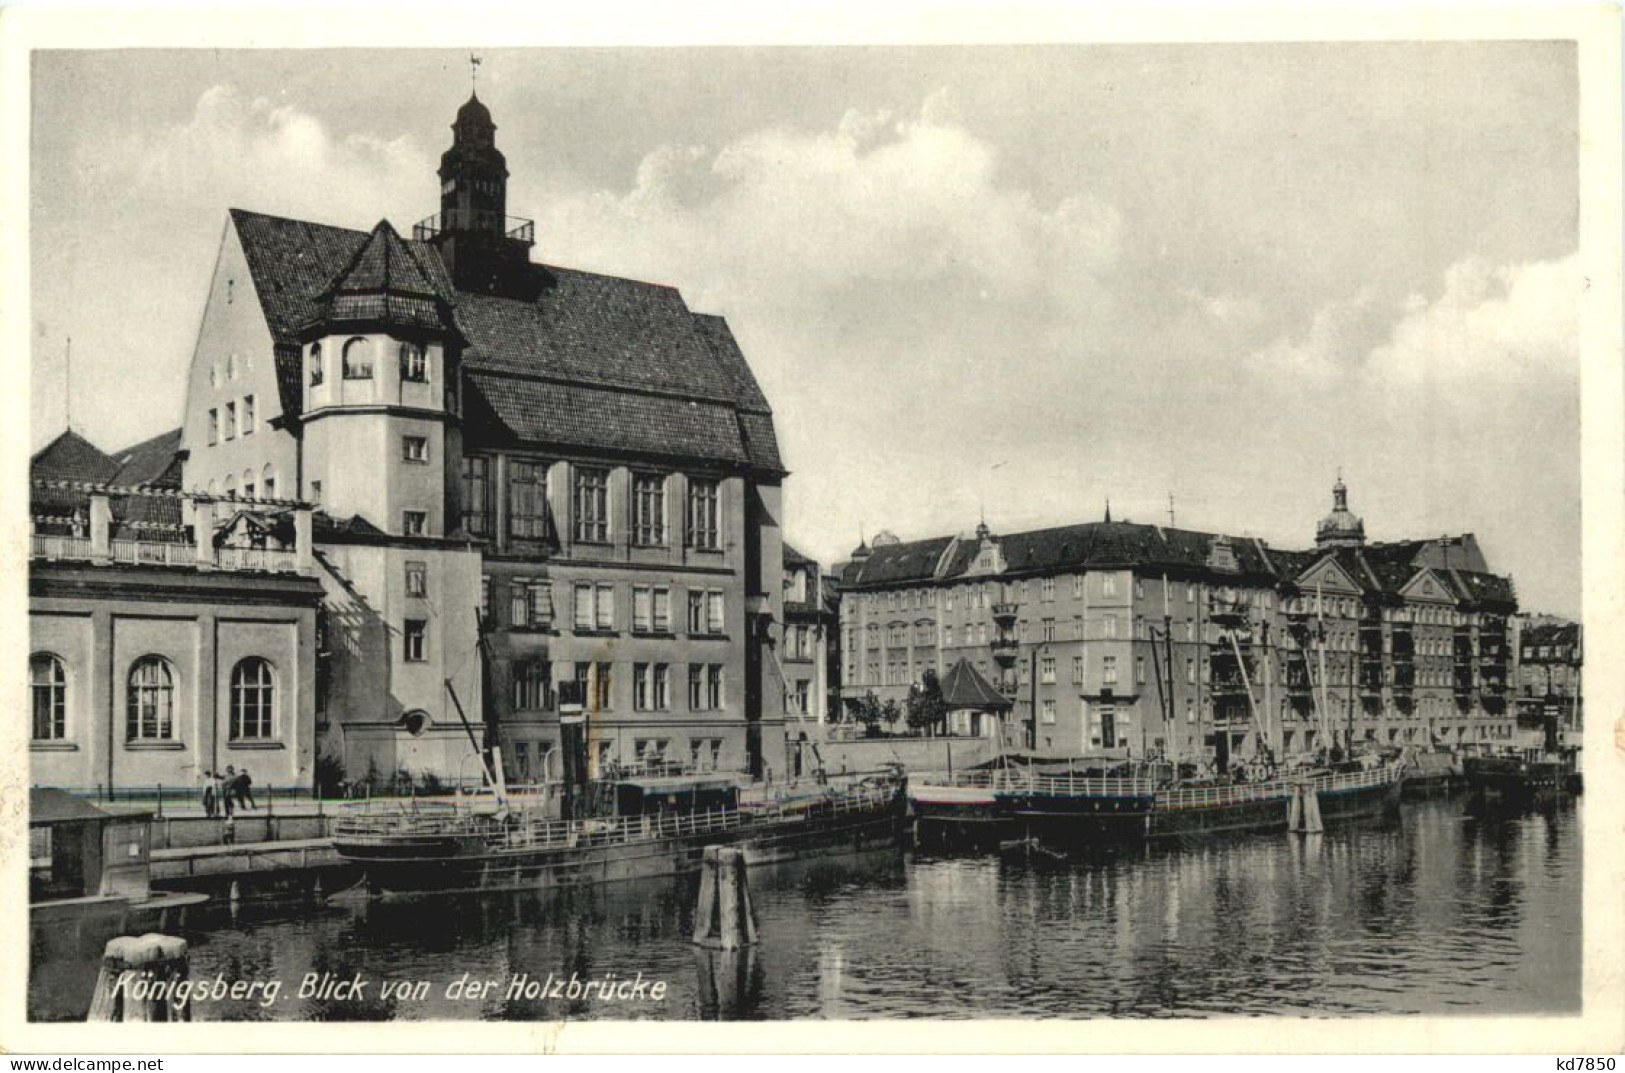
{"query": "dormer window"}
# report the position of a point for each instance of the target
(358, 360)
(315, 364)
(414, 363)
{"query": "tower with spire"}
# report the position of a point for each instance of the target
(484, 249)
(1342, 528)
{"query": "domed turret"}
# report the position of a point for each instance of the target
(1342, 528)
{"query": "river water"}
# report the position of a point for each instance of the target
(1439, 910)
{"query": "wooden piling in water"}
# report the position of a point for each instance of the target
(137, 977)
(1303, 811)
(724, 917)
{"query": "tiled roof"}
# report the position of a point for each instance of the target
(1383, 569)
(792, 557)
(71, 457)
(912, 561)
(154, 462)
(964, 687)
(628, 353)
(573, 415)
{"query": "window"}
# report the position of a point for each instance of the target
(416, 637)
(1108, 585)
(713, 611)
(713, 687)
(594, 606)
(606, 606)
(485, 597)
(661, 620)
(1047, 629)
(592, 505)
(1190, 671)
(947, 636)
(1077, 586)
(1139, 588)
(532, 685)
(662, 687)
(315, 365)
(527, 499)
(1109, 626)
(415, 448)
(358, 360)
(1190, 593)
(922, 633)
(796, 701)
(415, 522)
(1046, 589)
(248, 415)
(268, 483)
(231, 366)
(316, 491)
(602, 686)
(48, 682)
(1046, 710)
(1046, 669)
(417, 578)
(231, 420)
(696, 687)
(253, 700)
(1077, 670)
(643, 688)
(248, 488)
(642, 609)
(1108, 670)
(150, 706)
(1139, 670)
(214, 427)
(414, 363)
(583, 607)
(704, 528)
(519, 602)
(648, 509)
(476, 496)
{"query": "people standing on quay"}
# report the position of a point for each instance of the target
(245, 795)
(222, 792)
(208, 794)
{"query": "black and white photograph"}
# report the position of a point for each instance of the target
(1054, 528)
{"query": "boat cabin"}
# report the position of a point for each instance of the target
(675, 793)
(77, 850)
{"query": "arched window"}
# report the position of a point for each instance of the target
(315, 364)
(253, 700)
(248, 484)
(150, 707)
(358, 359)
(213, 486)
(268, 482)
(48, 681)
(231, 485)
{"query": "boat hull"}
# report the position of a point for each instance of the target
(1139, 817)
(404, 865)
(1496, 776)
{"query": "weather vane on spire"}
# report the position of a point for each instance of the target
(474, 73)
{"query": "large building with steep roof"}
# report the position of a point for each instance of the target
(1124, 639)
(580, 462)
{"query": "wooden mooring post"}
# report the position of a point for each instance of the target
(1303, 811)
(724, 918)
(138, 980)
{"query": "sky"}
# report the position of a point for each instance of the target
(1006, 281)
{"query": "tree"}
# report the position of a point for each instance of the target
(927, 710)
(890, 712)
(866, 710)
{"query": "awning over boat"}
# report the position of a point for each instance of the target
(668, 784)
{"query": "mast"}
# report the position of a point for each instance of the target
(1168, 659)
(1323, 709)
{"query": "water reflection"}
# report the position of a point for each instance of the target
(1443, 909)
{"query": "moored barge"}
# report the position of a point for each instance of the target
(1134, 809)
(661, 828)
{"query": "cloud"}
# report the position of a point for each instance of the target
(271, 156)
(871, 199)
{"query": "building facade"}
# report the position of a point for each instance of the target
(809, 656)
(164, 645)
(1550, 656)
(527, 475)
(1118, 639)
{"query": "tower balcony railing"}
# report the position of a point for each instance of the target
(514, 227)
(1004, 613)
